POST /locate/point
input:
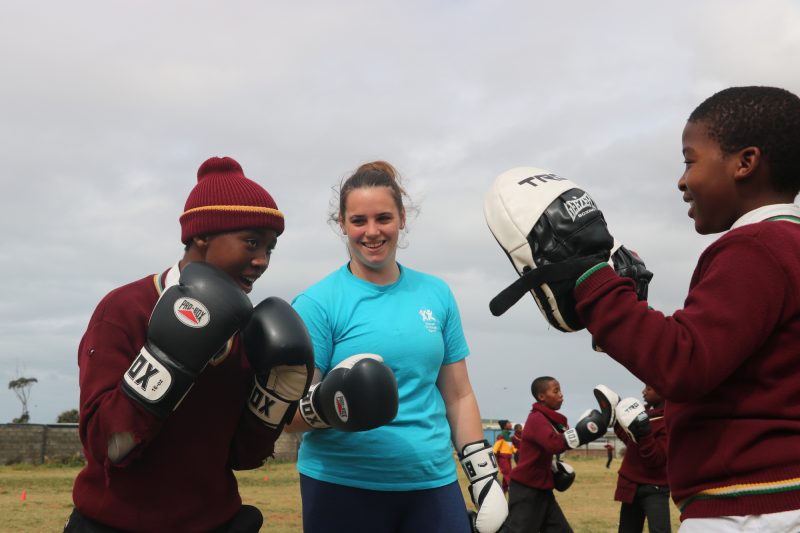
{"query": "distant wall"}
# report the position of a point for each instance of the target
(41, 443)
(286, 446)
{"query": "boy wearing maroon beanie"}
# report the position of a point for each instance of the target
(169, 401)
(642, 478)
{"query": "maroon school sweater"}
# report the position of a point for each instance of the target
(540, 441)
(179, 477)
(645, 462)
(728, 364)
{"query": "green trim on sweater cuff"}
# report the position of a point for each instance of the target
(589, 272)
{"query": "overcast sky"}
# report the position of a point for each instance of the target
(109, 107)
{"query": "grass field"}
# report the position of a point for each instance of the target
(39, 498)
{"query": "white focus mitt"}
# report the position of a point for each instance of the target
(552, 232)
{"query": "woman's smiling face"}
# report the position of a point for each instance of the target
(372, 224)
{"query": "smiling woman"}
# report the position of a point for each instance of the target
(374, 305)
(371, 216)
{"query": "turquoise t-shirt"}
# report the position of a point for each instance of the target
(414, 324)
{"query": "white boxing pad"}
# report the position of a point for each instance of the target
(548, 224)
(514, 203)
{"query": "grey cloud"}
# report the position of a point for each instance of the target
(110, 108)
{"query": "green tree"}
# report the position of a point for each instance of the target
(22, 388)
(68, 416)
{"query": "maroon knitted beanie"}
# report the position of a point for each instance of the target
(225, 200)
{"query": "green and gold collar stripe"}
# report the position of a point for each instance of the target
(743, 489)
(786, 218)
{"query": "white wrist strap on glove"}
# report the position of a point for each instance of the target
(480, 466)
(571, 435)
(268, 407)
(283, 387)
(309, 414)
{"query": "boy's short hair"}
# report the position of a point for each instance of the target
(765, 117)
(540, 385)
(502, 423)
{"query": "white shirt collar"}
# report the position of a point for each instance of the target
(765, 212)
(173, 276)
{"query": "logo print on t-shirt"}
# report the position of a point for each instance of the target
(431, 324)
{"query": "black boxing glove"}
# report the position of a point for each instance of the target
(358, 394)
(628, 264)
(190, 323)
(281, 354)
(592, 424)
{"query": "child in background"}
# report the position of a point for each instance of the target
(642, 478)
(516, 441)
(531, 503)
(503, 451)
(609, 453)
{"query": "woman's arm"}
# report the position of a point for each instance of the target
(465, 428)
(460, 404)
